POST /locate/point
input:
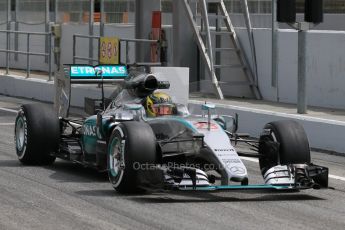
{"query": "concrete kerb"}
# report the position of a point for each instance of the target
(322, 133)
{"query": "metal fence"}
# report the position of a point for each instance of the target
(27, 52)
(124, 46)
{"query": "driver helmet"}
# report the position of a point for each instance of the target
(159, 104)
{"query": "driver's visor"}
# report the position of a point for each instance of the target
(163, 109)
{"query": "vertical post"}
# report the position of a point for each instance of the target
(101, 29)
(50, 56)
(47, 20)
(56, 11)
(127, 53)
(28, 55)
(218, 42)
(99, 50)
(185, 49)
(209, 119)
(274, 72)
(16, 28)
(143, 26)
(74, 42)
(91, 12)
(302, 73)
(251, 38)
(208, 35)
(8, 35)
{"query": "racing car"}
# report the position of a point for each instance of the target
(146, 141)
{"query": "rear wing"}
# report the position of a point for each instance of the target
(83, 74)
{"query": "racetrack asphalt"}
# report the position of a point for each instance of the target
(69, 196)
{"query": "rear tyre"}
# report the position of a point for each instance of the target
(131, 145)
(283, 142)
(37, 134)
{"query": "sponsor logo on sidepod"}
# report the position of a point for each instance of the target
(89, 130)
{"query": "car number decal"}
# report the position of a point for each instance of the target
(204, 125)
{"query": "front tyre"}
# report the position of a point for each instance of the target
(131, 145)
(36, 134)
(283, 142)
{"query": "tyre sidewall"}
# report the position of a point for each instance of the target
(41, 134)
(21, 151)
(117, 137)
(293, 144)
(138, 147)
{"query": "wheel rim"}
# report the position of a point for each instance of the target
(20, 134)
(116, 161)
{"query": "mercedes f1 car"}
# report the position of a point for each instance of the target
(179, 151)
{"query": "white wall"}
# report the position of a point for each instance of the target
(325, 67)
(121, 31)
(178, 78)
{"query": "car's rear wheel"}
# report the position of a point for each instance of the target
(283, 142)
(37, 134)
(131, 146)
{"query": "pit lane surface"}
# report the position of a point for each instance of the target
(68, 196)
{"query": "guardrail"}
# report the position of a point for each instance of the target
(27, 52)
(122, 40)
(75, 57)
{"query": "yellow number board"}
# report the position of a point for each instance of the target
(109, 50)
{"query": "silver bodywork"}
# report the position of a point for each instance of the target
(217, 148)
(201, 141)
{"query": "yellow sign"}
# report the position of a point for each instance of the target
(109, 52)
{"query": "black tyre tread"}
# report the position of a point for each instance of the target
(43, 135)
(140, 147)
(294, 144)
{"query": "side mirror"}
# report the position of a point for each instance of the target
(208, 106)
(230, 123)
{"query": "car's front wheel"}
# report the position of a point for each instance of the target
(283, 142)
(131, 146)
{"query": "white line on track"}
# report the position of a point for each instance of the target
(8, 110)
(6, 124)
(330, 175)
(336, 177)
